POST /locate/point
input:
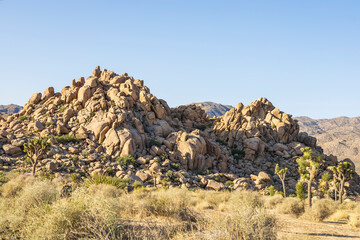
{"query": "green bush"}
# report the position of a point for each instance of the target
(64, 139)
(50, 123)
(22, 118)
(3, 178)
(127, 160)
(175, 166)
(229, 183)
(137, 185)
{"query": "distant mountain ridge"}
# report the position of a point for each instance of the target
(214, 109)
(10, 109)
(338, 136)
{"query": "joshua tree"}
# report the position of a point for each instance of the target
(308, 168)
(342, 173)
(34, 149)
(281, 173)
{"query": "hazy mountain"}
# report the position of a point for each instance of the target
(338, 136)
(10, 109)
(214, 109)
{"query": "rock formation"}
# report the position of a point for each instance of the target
(112, 116)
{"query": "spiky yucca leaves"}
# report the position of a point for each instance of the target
(308, 168)
(342, 173)
(34, 149)
(104, 179)
(282, 174)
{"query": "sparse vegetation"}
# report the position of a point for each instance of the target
(99, 209)
(126, 160)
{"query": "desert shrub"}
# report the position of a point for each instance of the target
(106, 190)
(37, 193)
(127, 160)
(291, 206)
(229, 183)
(354, 217)
(137, 185)
(64, 139)
(321, 209)
(50, 123)
(97, 179)
(15, 185)
(339, 215)
(273, 202)
(169, 203)
(354, 220)
(3, 178)
(244, 218)
(155, 142)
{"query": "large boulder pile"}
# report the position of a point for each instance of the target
(108, 116)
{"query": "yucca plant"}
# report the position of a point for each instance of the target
(104, 179)
(282, 174)
(35, 148)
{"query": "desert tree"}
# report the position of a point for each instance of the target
(282, 174)
(34, 149)
(343, 172)
(308, 168)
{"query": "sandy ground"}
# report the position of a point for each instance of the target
(296, 229)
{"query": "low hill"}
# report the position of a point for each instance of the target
(10, 109)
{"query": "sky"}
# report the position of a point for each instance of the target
(304, 56)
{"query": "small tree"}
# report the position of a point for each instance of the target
(281, 173)
(342, 173)
(34, 149)
(308, 168)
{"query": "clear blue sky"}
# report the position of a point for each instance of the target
(304, 56)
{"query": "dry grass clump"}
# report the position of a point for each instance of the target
(339, 215)
(293, 206)
(15, 184)
(273, 201)
(354, 217)
(321, 209)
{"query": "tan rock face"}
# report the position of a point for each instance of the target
(35, 98)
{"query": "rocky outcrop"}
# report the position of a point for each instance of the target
(111, 118)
